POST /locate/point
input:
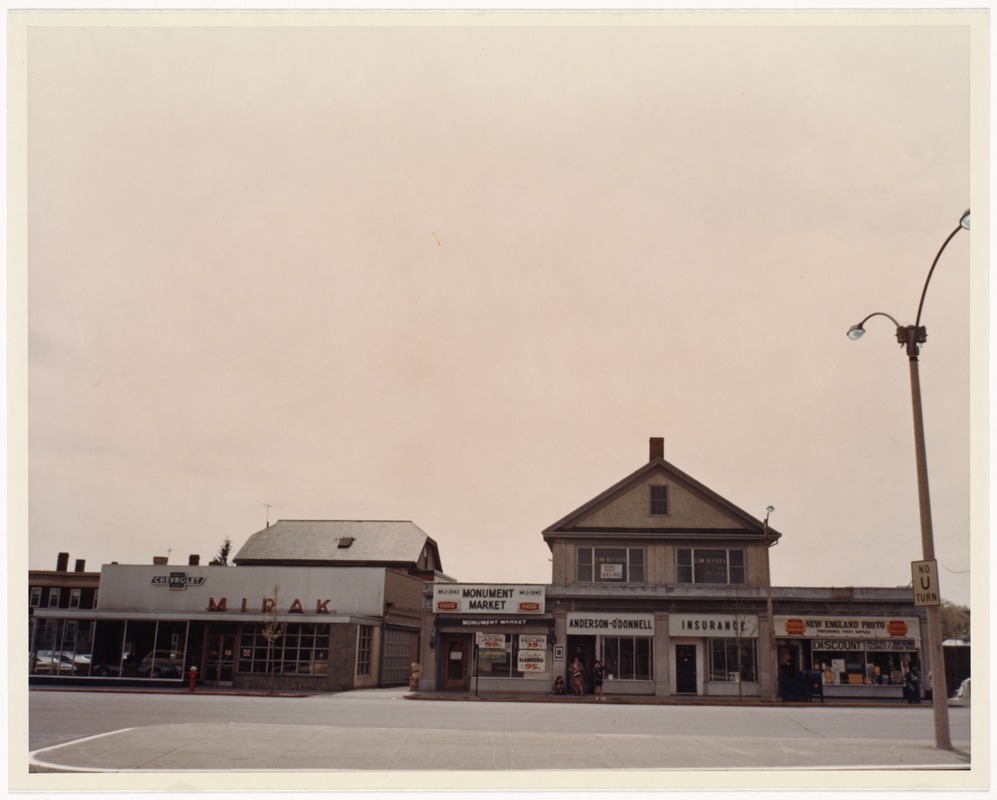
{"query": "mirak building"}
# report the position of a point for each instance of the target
(310, 605)
(667, 584)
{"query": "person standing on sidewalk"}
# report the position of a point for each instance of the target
(577, 670)
(598, 673)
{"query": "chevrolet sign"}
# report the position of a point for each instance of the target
(177, 580)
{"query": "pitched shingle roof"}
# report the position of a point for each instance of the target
(328, 541)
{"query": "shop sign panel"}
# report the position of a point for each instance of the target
(488, 598)
(635, 624)
(814, 627)
(859, 645)
(728, 626)
(490, 641)
(532, 641)
(532, 661)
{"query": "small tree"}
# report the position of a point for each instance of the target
(273, 631)
(955, 621)
(223, 552)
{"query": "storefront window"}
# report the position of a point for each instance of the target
(628, 658)
(710, 565)
(500, 662)
(365, 645)
(107, 648)
(878, 663)
(733, 659)
(302, 650)
(610, 565)
(139, 649)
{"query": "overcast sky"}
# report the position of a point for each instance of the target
(459, 275)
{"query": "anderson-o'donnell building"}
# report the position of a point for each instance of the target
(659, 577)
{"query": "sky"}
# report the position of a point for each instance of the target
(459, 272)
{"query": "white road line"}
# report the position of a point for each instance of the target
(33, 758)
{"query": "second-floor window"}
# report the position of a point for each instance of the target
(610, 565)
(74, 598)
(710, 565)
(53, 598)
(36, 596)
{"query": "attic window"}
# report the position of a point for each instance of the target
(346, 541)
(659, 500)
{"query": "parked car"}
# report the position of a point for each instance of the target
(105, 670)
(47, 662)
(161, 664)
(961, 697)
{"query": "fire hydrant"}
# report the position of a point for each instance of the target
(193, 678)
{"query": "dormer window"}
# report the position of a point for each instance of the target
(659, 501)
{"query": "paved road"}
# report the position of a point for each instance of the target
(381, 732)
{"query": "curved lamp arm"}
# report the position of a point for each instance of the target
(856, 331)
(963, 223)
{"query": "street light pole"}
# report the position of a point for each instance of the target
(773, 656)
(912, 336)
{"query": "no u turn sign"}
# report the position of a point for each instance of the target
(924, 578)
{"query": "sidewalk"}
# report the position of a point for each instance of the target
(471, 696)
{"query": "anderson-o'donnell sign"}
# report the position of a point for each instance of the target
(487, 598)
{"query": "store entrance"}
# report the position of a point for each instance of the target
(685, 669)
(456, 655)
(582, 648)
(220, 663)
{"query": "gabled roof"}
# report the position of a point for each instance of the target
(340, 542)
(740, 520)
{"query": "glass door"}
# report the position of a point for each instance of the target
(220, 663)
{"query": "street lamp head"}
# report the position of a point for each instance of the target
(770, 509)
(856, 332)
(964, 220)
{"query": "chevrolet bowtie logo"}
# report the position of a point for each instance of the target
(177, 580)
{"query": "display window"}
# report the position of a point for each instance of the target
(732, 660)
(628, 657)
(303, 649)
(62, 648)
(865, 663)
(499, 657)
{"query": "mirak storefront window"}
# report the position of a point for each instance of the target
(365, 640)
(302, 650)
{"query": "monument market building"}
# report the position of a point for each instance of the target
(667, 583)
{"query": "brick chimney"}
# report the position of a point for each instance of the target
(62, 565)
(160, 560)
(81, 565)
(657, 447)
(194, 560)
